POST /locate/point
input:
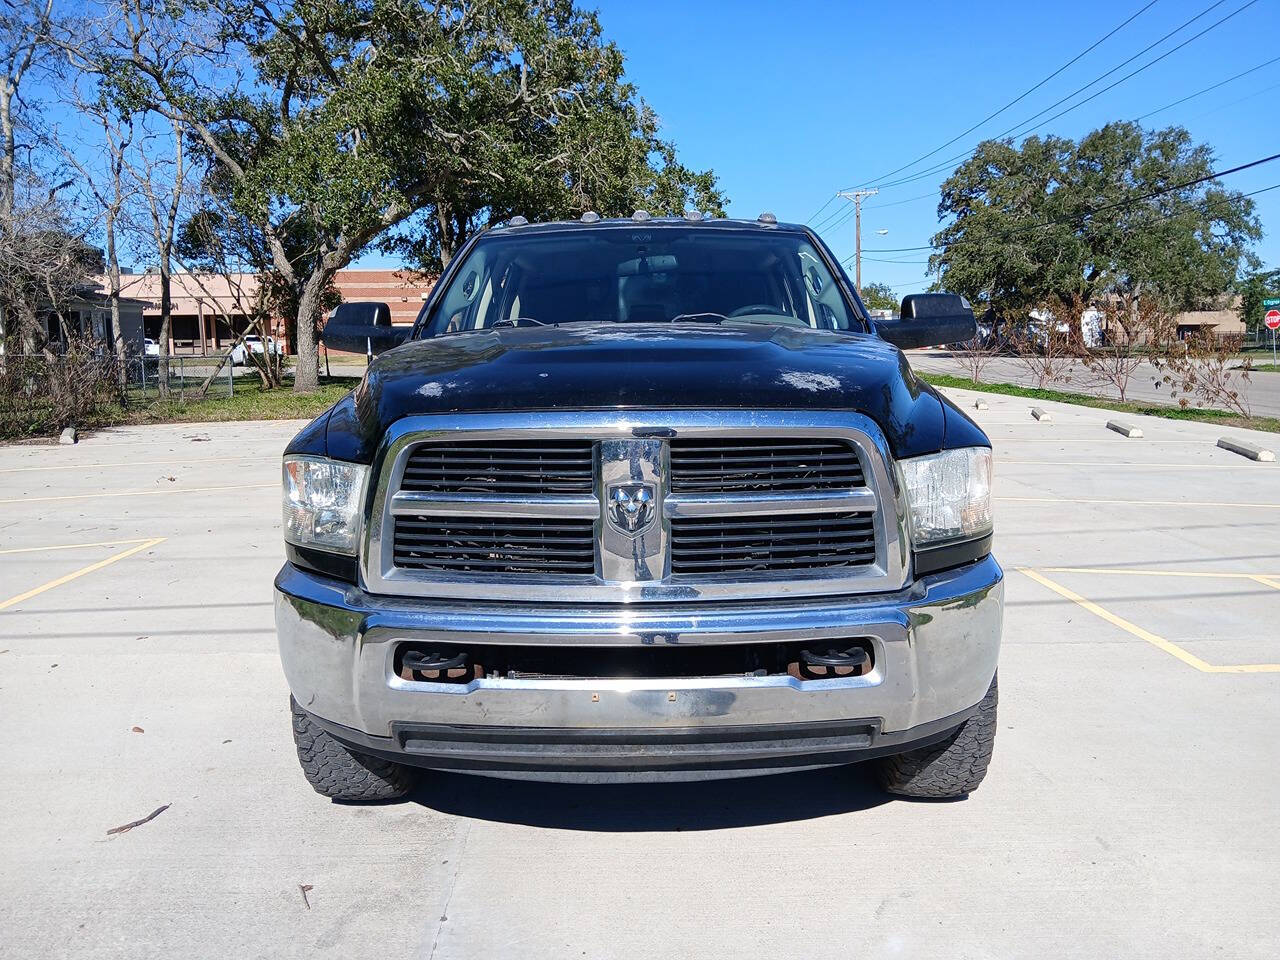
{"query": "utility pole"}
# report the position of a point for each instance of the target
(857, 197)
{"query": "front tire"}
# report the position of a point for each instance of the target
(337, 772)
(952, 767)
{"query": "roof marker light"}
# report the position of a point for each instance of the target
(590, 217)
(517, 221)
(640, 215)
(767, 217)
(693, 215)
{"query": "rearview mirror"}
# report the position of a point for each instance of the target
(930, 320)
(362, 328)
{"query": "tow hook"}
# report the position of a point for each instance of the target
(438, 667)
(819, 663)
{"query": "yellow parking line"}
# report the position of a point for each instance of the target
(178, 460)
(1135, 503)
(1157, 641)
(1273, 582)
(1114, 571)
(143, 493)
(74, 546)
(145, 545)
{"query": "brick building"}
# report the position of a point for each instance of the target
(208, 310)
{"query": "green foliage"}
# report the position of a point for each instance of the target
(1253, 290)
(879, 296)
(337, 124)
(1058, 223)
(360, 115)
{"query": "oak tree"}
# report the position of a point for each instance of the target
(402, 123)
(1059, 225)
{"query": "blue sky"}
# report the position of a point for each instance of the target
(790, 102)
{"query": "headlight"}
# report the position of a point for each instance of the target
(949, 495)
(322, 500)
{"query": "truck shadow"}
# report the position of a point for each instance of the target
(624, 808)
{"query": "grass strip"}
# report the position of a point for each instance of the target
(1223, 418)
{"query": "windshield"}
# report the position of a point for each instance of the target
(650, 274)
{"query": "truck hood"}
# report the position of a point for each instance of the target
(609, 366)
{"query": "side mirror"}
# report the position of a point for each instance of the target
(362, 328)
(929, 320)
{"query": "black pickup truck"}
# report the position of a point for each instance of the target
(642, 498)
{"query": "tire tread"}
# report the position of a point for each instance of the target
(952, 767)
(339, 773)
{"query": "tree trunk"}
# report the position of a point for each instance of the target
(27, 327)
(113, 295)
(166, 310)
(445, 224)
(306, 373)
(7, 153)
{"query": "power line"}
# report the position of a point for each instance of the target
(1024, 94)
(1130, 201)
(811, 217)
(1220, 83)
(1145, 66)
(834, 217)
(1274, 186)
(884, 260)
(1163, 190)
(1023, 132)
(840, 217)
(898, 203)
(1239, 100)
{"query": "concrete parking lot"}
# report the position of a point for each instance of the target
(1130, 810)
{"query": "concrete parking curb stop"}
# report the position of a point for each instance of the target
(1245, 449)
(1041, 414)
(1125, 429)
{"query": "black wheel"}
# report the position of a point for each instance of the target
(341, 773)
(952, 767)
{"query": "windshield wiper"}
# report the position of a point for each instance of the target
(702, 316)
(516, 321)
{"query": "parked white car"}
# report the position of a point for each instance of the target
(254, 344)
(150, 348)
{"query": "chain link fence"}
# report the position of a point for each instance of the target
(44, 392)
(187, 376)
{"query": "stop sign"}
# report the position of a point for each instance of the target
(1272, 319)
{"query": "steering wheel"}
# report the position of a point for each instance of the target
(751, 308)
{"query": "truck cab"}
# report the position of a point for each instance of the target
(648, 499)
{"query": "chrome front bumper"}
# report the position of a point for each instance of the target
(935, 646)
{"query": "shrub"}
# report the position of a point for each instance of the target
(42, 393)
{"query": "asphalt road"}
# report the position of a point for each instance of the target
(1261, 389)
(1130, 810)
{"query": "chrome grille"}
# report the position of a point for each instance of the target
(762, 465)
(489, 545)
(638, 506)
(714, 545)
(486, 466)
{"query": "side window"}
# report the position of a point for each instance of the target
(826, 306)
(465, 293)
